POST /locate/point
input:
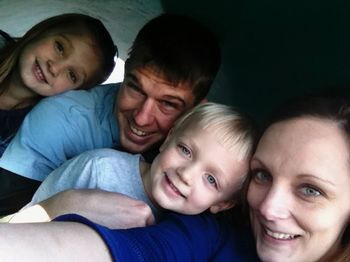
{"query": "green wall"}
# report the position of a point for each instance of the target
(274, 49)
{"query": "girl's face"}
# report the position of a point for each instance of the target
(299, 195)
(58, 62)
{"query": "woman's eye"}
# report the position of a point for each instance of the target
(59, 47)
(261, 176)
(72, 76)
(310, 191)
(184, 150)
(211, 179)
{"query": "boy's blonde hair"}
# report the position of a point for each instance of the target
(233, 129)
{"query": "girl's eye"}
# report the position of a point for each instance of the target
(261, 176)
(184, 150)
(310, 191)
(211, 179)
(72, 76)
(59, 47)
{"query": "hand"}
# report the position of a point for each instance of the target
(112, 210)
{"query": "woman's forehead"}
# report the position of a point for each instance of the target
(305, 145)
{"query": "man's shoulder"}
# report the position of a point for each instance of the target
(94, 95)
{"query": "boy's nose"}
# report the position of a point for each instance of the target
(185, 174)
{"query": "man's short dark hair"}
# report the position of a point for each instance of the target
(180, 49)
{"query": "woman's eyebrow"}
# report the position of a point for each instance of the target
(318, 178)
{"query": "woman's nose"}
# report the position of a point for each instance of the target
(275, 204)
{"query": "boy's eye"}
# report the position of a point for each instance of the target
(59, 47)
(184, 150)
(72, 76)
(211, 179)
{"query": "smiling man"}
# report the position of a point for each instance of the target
(170, 68)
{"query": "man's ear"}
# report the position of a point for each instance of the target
(222, 206)
(166, 141)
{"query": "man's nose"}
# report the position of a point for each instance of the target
(144, 114)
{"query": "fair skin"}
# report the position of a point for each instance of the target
(186, 170)
(57, 241)
(51, 65)
(148, 105)
(179, 177)
(113, 210)
(300, 190)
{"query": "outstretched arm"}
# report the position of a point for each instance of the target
(52, 241)
(113, 210)
(175, 238)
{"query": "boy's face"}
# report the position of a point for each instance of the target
(147, 107)
(194, 172)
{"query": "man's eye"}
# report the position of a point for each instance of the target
(133, 89)
(131, 85)
(169, 105)
(59, 47)
(72, 76)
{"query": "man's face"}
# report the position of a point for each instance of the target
(147, 107)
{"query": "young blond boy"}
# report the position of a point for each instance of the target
(201, 165)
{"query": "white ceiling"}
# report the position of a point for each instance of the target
(122, 18)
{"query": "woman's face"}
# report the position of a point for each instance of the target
(299, 194)
(58, 62)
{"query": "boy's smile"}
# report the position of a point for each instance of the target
(194, 172)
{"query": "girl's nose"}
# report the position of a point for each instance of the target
(53, 68)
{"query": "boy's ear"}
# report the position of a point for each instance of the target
(161, 148)
(203, 101)
(222, 206)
